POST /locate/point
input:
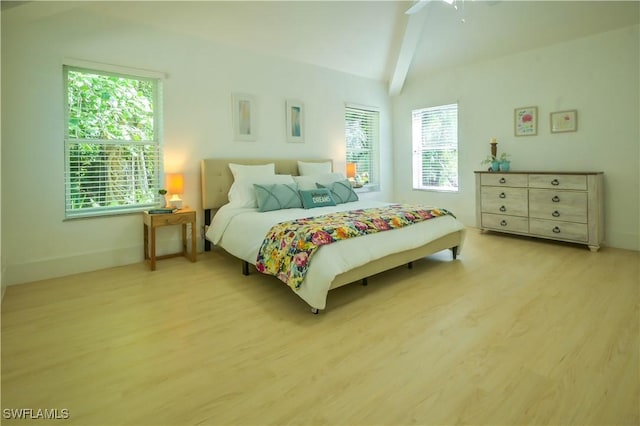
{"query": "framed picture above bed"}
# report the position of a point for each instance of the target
(294, 121)
(244, 117)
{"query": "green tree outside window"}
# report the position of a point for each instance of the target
(112, 146)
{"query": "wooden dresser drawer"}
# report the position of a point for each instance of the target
(171, 219)
(503, 179)
(505, 223)
(558, 181)
(559, 230)
(568, 206)
(510, 201)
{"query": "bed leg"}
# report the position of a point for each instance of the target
(410, 265)
(454, 252)
(207, 222)
(245, 268)
(364, 281)
(315, 311)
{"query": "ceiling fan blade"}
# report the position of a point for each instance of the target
(417, 7)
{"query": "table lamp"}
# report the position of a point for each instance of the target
(351, 170)
(175, 187)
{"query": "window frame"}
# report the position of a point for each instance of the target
(418, 149)
(156, 143)
(374, 151)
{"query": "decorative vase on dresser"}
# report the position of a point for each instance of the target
(564, 206)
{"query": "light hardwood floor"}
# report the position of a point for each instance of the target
(517, 331)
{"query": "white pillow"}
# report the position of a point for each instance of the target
(309, 182)
(243, 194)
(240, 171)
(308, 169)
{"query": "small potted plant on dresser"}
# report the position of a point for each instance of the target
(505, 164)
(493, 161)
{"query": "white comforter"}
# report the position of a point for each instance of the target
(241, 231)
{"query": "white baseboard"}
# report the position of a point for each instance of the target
(3, 282)
(62, 266)
(627, 241)
(3, 277)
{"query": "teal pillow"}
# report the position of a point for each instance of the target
(277, 196)
(341, 191)
(316, 198)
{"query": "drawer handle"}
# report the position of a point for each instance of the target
(502, 180)
(555, 213)
(555, 199)
(503, 195)
(555, 182)
(503, 222)
(556, 230)
(503, 209)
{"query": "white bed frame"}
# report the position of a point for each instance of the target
(217, 179)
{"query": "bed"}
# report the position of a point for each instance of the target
(241, 230)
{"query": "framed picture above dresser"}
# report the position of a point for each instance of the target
(563, 206)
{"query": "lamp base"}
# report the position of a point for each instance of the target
(175, 202)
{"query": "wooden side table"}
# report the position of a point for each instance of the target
(153, 221)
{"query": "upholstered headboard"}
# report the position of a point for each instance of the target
(217, 178)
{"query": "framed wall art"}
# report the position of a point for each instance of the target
(526, 121)
(244, 117)
(294, 121)
(564, 121)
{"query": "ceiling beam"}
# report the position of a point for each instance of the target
(412, 33)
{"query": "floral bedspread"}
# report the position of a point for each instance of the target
(288, 247)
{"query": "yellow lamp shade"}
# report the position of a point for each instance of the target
(175, 183)
(351, 170)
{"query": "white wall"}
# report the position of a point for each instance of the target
(3, 282)
(598, 76)
(37, 242)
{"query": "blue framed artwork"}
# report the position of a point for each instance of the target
(294, 121)
(244, 117)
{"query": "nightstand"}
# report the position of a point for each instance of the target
(152, 221)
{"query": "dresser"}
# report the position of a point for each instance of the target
(564, 206)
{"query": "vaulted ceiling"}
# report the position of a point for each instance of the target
(373, 39)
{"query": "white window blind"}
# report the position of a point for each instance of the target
(113, 150)
(435, 148)
(362, 133)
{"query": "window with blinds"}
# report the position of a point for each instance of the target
(362, 135)
(435, 148)
(113, 151)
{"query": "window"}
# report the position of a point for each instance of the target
(435, 148)
(362, 134)
(113, 156)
